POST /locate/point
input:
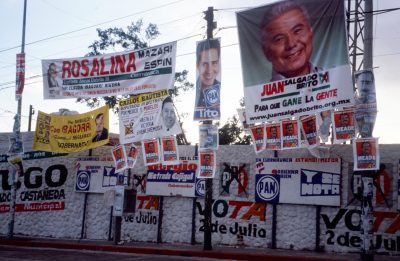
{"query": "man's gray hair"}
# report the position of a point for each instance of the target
(280, 8)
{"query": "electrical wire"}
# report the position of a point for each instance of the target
(91, 26)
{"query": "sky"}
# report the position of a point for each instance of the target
(178, 20)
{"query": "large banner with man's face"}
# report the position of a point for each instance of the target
(208, 82)
(133, 72)
(147, 116)
(294, 59)
(71, 133)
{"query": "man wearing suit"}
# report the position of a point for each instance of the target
(101, 132)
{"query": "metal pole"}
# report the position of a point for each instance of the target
(367, 233)
(209, 182)
(31, 112)
(16, 134)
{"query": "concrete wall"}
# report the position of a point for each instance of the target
(296, 224)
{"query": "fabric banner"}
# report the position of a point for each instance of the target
(309, 181)
(147, 116)
(71, 133)
(96, 174)
(172, 180)
(208, 83)
(289, 68)
(20, 75)
(366, 154)
(131, 72)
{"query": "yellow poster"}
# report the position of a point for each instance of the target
(71, 133)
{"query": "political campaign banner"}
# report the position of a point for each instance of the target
(132, 155)
(208, 83)
(172, 180)
(309, 127)
(130, 72)
(309, 181)
(366, 154)
(120, 159)
(147, 116)
(290, 134)
(71, 133)
(96, 174)
(273, 131)
(20, 75)
(289, 68)
(344, 128)
(169, 151)
(365, 109)
(208, 137)
(151, 152)
(207, 163)
(258, 137)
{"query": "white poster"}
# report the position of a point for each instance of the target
(147, 116)
(172, 180)
(309, 181)
(130, 72)
(96, 174)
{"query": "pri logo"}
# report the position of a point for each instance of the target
(211, 95)
(82, 180)
(200, 187)
(267, 188)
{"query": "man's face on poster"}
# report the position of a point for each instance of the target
(259, 134)
(366, 148)
(168, 145)
(168, 115)
(344, 119)
(53, 71)
(311, 126)
(289, 129)
(208, 66)
(203, 138)
(99, 124)
(151, 147)
(273, 133)
(288, 43)
(207, 160)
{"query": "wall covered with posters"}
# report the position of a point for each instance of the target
(49, 204)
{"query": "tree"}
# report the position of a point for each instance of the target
(132, 38)
(231, 133)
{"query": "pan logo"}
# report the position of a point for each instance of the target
(83, 180)
(267, 188)
(200, 187)
(212, 95)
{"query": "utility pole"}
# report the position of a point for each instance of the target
(31, 112)
(16, 139)
(367, 219)
(209, 17)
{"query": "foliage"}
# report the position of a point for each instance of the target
(231, 133)
(132, 38)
